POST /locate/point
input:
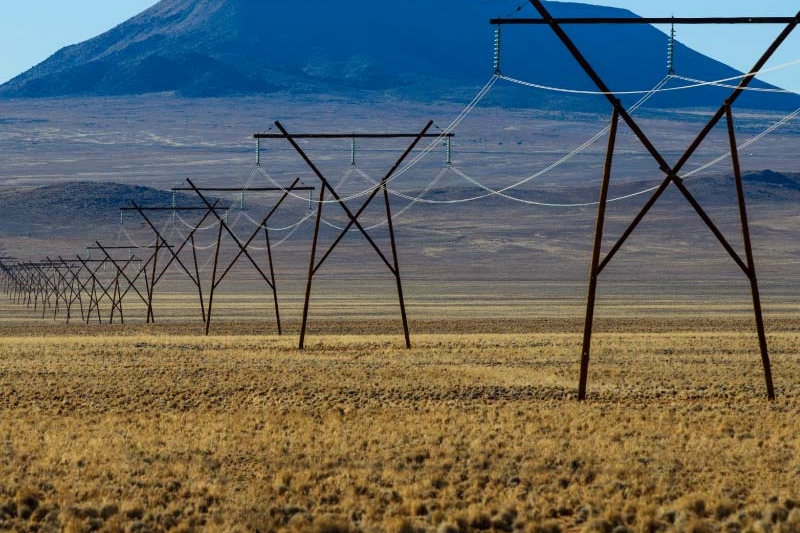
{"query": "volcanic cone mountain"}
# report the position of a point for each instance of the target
(419, 49)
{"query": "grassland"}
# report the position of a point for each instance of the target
(158, 428)
(475, 428)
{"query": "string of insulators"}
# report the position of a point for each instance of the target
(310, 200)
(449, 152)
(671, 51)
(241, 201)
(258, 152)
(497, 43)
(353, 151)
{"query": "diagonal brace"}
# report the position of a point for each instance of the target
(326, 185)
(232, 235)
(381, 186)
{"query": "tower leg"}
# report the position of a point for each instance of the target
(396, 270)
(311, 267)
(151, 319)
(272, 278)
(748, 250)
(594, 270)
(213, 280)
(199, 283)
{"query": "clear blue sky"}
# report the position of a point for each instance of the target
(32, 30)
(738, 46)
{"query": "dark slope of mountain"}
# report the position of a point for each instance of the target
(764, 188)
(417, 49)
(73, 208)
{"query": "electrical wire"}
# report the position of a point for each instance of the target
(395, 216)
(502, 192)
(410, 164)
(490, 192)
(693, 174)
(198, 229)
(729, 86)
(694, 84)
(420, 198)
(279, 229)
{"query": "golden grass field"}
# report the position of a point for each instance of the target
(476, 428)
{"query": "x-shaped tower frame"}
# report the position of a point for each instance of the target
(671, 172)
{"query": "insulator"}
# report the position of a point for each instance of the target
(353, 151)
(671, 51)
(258, 152)
(497, 43)
(449, 151)
(310, 200)
(241, 201)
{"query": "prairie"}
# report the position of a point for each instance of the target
(476, 428)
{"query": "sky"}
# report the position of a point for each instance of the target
(739, 46)
(30, 31)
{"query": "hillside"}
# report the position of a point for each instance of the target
(77, 208)
(73, 208)
(427, 50)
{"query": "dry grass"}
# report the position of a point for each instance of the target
(115, 430)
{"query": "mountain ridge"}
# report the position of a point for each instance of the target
(428, 50)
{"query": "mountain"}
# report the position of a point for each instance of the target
(74, 208)
(420, 49)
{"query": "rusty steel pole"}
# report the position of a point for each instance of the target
(121, 270)
(81, 286)
(175, 253)
(314, 265)
(213, 286)
(672, 172)
(272, 275)
(243, 246)
(311, 262)
(748, 251)
(151, 319)
(396, 260)
(197, 274)
(594, 270)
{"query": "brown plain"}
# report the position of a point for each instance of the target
(154, 429)
(476, 428)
